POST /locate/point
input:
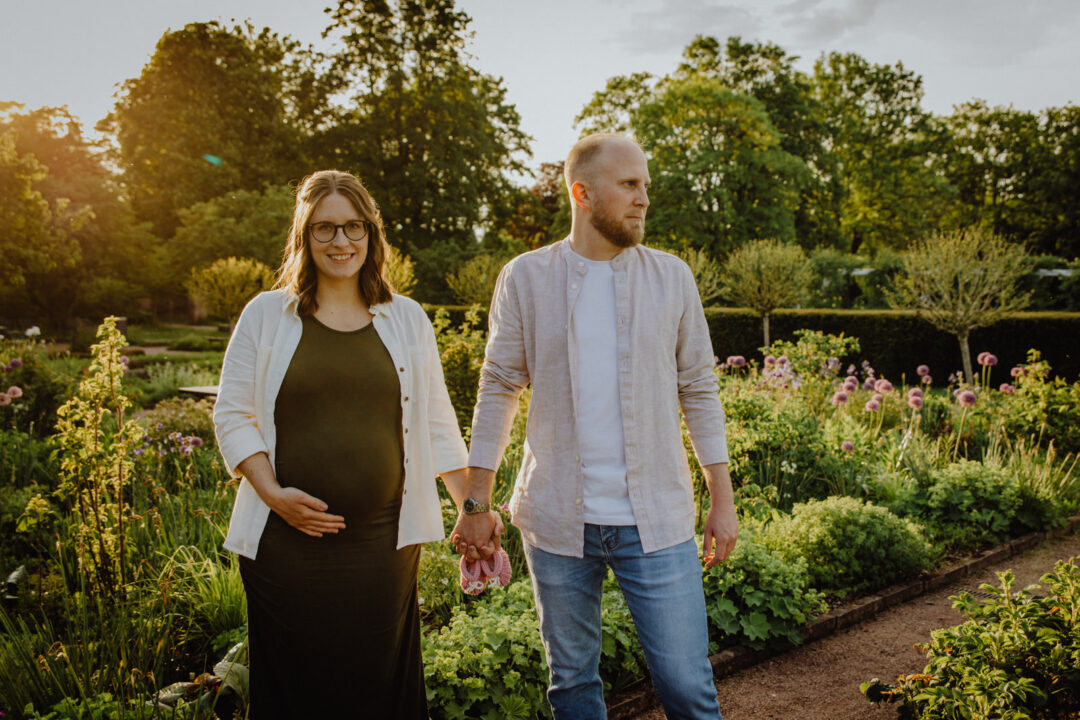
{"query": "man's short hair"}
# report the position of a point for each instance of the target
(584, 154)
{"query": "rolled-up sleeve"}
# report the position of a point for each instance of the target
(698, 387)
(235, 425)
(503, 376)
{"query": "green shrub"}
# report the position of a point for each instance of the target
(26, 459)
(186, 416)
(461, 350)
(965, 505)
(757, 595)
(1043, 408)
(193, 343)
(849, 545)
(163, 380)
(1017, 656)
(23, 364)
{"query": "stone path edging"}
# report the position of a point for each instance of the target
(641, 698)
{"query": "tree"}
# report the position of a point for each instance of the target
(400, 271)
(226, 286)
(25, 242)
(431, 137)
(961, 280)
(707, 273)
(765, 275)
(888, 151)
(719, 175)
(210, 113)
(474, 281)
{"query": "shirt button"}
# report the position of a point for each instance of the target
(406, 431)
(578, 501)
(406, 398)
(574, 286)
(400, 369)
(580, 264)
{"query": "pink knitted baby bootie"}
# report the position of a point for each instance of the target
(472, 580)
(496, 569)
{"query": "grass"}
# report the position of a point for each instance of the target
(172, 334)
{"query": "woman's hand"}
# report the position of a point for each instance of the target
(304, 512)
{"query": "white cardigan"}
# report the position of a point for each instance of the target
(258, 355)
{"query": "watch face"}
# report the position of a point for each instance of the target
(470, 505)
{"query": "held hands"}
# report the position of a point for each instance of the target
(305, 513)
(477, 536)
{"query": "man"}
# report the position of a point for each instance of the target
(613, 339)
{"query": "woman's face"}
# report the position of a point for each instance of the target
(340, 258)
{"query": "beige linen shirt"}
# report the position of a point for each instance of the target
(664, 362)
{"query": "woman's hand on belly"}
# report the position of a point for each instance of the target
(304, 512)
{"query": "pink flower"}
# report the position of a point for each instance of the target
(770, 361)
(782, 360)
(1007, 388)
(1015, 372)
(915, 402)
(915, 392)
(872, 406)
(839, 398)
(877, 397)
(967, 398)
(851, 385)
(15, 364)
(923, 370)
(926, 379)
(847, 446)
(5, 399)
(883, 386)
(987, 359)
(14, 392)
(869, 384)
(736, 361)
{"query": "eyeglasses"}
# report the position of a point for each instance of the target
(324, 232)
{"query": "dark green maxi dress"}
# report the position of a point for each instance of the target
(333, 622)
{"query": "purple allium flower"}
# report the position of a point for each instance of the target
(869, 384)
(915, 402)
(872, 406)
(883, 386)
(923, 370)
(782, 361)
(850, 387)
(139, 451)
(839, 398)
(988, 359)
(877, 397)
(736, 361)
(913, 392)
(980, 356)
(847, 446)
(5, 399)
(1007, 388)
(175, 436)
(195, 441)
(125, 360)
(770, 361)
(15, 364)
(967, 398)
(185, 449)
(1015, 372)
(14, 392)
(926, 379)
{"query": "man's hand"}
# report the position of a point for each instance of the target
(722, 522)
(304, 512)
(477, 536)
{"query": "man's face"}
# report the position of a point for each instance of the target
(620, 197)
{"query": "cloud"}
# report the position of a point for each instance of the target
(817, 27)
(674, 24)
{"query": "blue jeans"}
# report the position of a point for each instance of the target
(664, 594)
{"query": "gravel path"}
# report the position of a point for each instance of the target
(820, 681)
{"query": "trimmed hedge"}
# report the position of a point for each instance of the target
(894, 341)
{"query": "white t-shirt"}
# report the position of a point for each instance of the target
(599, 413)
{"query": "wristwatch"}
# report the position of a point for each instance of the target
(472, 507)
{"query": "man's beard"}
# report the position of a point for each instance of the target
(614, 231)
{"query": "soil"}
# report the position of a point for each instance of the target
(820, 680)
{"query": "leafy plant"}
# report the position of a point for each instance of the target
(1016, 657)
(707, 273)
(461, 350)
(473, 283)
(765, 275)
(850, 545)
(224, 287)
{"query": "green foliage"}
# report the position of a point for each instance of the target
(965, 505)
(1045, 409)
(959, 281)
(1016, 657)
(43, 389)
(461, 350)
(186, 416)
(26, 460)
(400, 271)
(224, 287)
(488, 662)
(707, 273)
(473, 283)
(757, 595)
(850, 545)
(162, 380)
(765, 275)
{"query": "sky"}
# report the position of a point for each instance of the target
(554, 54)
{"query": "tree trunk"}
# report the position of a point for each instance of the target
(765, 327)
(965, 355)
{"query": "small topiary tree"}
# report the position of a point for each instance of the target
(223, 288)
(765, 275)
(707, 273)
(961, 280)
(473, 283)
